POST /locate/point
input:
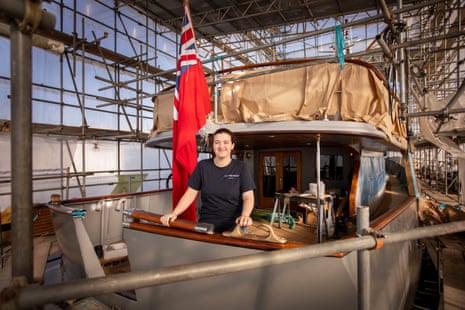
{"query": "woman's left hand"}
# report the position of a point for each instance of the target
(244, 220)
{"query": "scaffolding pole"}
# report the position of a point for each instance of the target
(25, 17)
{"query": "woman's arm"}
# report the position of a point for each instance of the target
(247, 208)
(186, 200)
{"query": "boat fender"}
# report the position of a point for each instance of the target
(99, 206)
(121, 205)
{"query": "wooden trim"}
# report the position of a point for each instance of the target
(214, 238)
(388, 217)
(383, 221)
(408, 174)
(178, 223)
(354, 185)
(304, 60)
(97, 198)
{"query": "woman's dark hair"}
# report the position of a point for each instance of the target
(219, 131)
(224, 130)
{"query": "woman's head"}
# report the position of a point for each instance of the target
(222, 142)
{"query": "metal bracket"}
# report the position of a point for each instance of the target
(378, 237)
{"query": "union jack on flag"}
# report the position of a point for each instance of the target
(191, 106)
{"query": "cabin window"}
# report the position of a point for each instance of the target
(331, 167)
(289, 172)
(269, 176)
(372, 180)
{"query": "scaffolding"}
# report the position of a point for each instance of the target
(97, 64)
(105, 61)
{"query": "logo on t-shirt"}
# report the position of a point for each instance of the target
(231, 176)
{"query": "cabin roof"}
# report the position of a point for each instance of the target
(291, 134)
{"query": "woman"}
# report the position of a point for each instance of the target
(225, 185)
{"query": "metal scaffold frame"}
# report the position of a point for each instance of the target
(438, 36)
(437, 32)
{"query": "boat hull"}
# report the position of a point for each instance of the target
(318, 283)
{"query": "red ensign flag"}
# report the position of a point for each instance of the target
(191, 106)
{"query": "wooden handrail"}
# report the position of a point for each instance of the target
(213, 238)
(178, 223)
(114, 196)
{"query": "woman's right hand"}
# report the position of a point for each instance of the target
(168, 218)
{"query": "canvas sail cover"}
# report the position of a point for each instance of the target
(453, 126)
(355, 93)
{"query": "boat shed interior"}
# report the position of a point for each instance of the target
(87, 73)
(96, 69)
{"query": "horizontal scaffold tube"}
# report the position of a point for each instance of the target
(17, 10)
(30, 296)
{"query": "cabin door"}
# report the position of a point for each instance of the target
(278, 172)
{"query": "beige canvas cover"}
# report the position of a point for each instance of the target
(428, 128)
(354, 93)
(163, 113)
(454, 124)
(429, 125)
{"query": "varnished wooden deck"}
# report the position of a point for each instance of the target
(300, 233)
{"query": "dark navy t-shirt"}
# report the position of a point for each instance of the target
(221, 191)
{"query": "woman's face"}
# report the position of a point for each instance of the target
(222, 145)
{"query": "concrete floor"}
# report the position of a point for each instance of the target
(453, 270)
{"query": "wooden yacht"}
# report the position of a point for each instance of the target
(323, 141)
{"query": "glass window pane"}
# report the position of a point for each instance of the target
(289, 172)
(331, 167)
(269, 176)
